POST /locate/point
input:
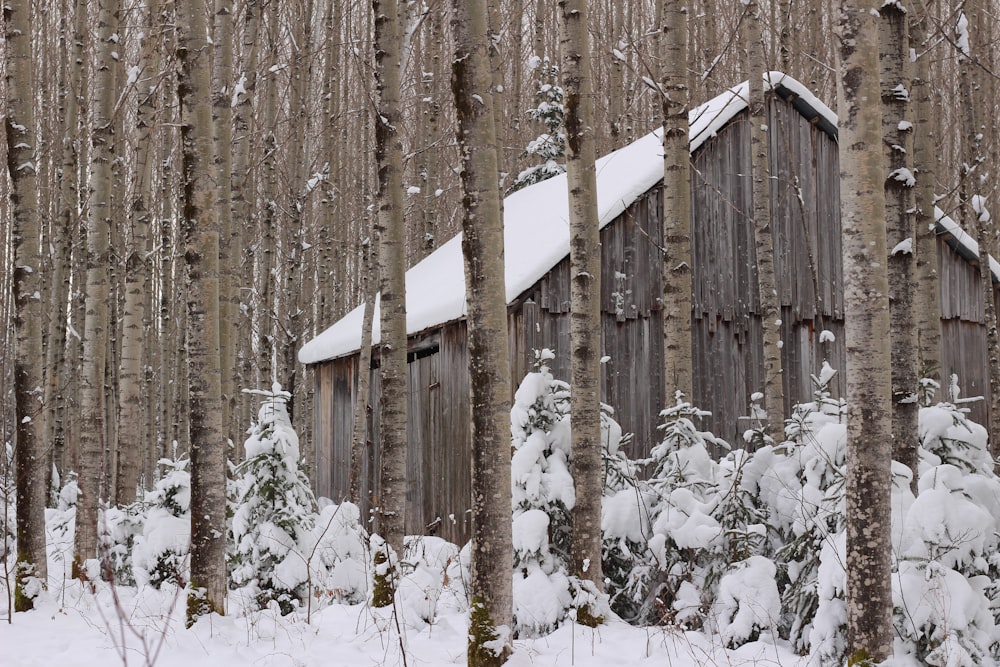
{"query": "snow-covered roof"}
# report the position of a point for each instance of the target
(536, 223)
(967, 246)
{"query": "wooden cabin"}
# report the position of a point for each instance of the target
(728, 360)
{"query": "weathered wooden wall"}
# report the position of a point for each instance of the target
(963, 328)
(727, 332)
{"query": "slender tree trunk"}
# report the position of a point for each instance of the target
(866, 324)
(763, 229)
(138, 271)
(489, 365)
(678, 357)
(897, 144)
(31, 458)
(93, 431)
(208, 442)
(244, 141)
(390, 232)
(62, 238)
(359, 431)
(229, 238)
(585, 294)
(925, 159)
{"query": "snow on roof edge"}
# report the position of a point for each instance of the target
(964, 239)
(435, 286)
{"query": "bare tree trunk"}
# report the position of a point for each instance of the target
(229, 237)
(585, 296)
(93, 432)
(244, 140)
(763, 229)
(676, 304)
(866, 324)
(359, 431)
(31, 459)
(897, 144)
(62, 239)
(489, 365)
(925, 160)
(138, 270)
(390, 232)
(208, 442)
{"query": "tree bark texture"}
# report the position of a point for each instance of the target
(585, 291)
(93, 430)
(925, 159)
(763, 229)
(866, 298)
(208, 441)
(897, 144)
(133, 440)
(489, 369)
(229, 234)
(678, 357)
(391, 234)
(31, 459)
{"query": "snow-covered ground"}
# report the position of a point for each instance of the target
(73, 627)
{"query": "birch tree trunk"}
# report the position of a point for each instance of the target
(208, 442)
(489, 364)
(585, 296)
(30, 456)
(245, 138)
(897, 144)
(138, 271)
(359, 429)
(229, 237)
(93, 430)
(678, 357)
(866, 324)
(763, 229)
(391, 234)
(928, 296)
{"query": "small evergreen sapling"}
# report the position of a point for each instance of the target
(273, 509)
(160, 554)
(543, 497)
(549, 148)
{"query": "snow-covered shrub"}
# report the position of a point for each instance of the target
(542, 497)
(431, 576)
(273, 509)
(335, 552)
(671, 539)
(747, 602)
(120, 527)
(160, 552)
(545, 593)
(801, 483)
(945, 592)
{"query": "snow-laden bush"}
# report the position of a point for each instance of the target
(542, 497)
(945, 591)
(160, 553)
(336, 553)
(273, 509)
(672, 539)
(120, 528)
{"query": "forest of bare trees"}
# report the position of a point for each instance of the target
(181, 213)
